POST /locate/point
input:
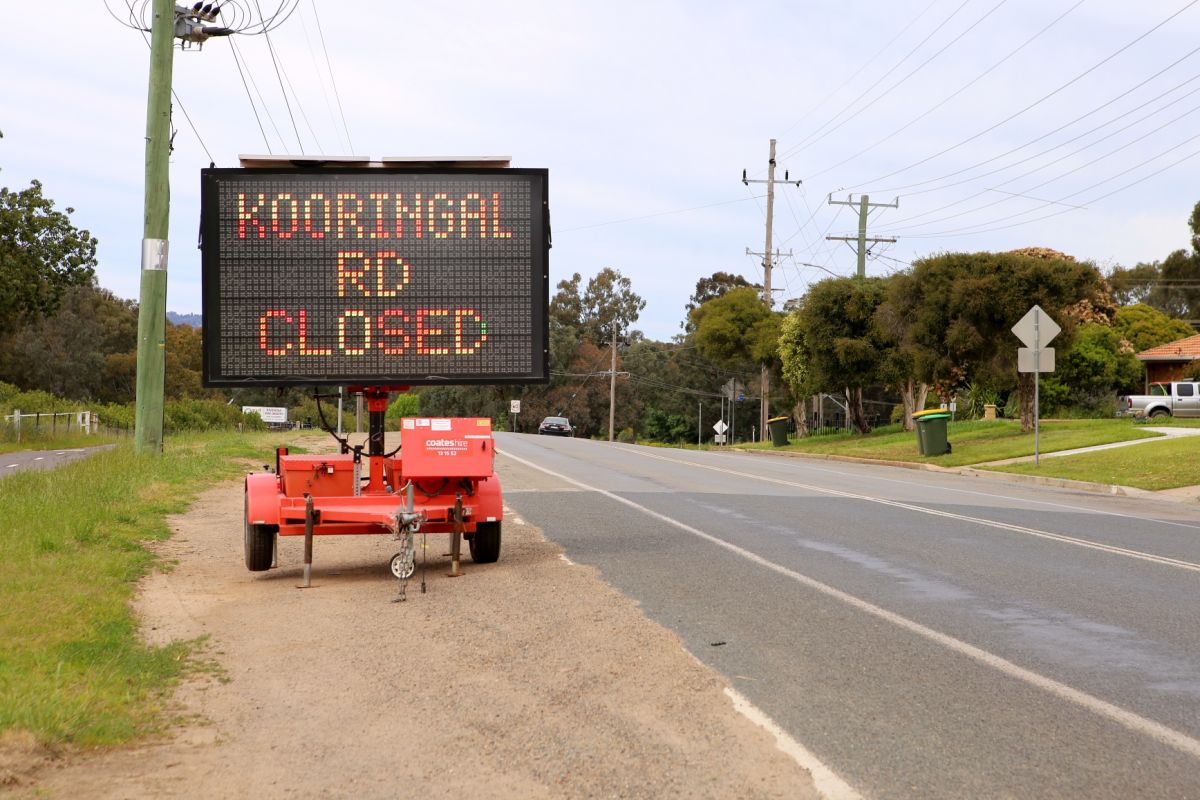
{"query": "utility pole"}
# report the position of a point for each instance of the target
(169, 22)
(612, 384)
(864, 205)
(152, 303)
(766, 264)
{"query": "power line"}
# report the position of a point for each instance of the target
(303, 115)
(897, 84)
(859, 71)
(282, 91)
(237, 59)
(817, 134)
(1032, 105)
(329, 65)
(953, 95)
(174, 94)
(967, 230)
(1052, 149)
(192, 125)
(1059, 129)
(1059, 177)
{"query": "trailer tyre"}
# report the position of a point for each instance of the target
(260, 545)
(485, 544)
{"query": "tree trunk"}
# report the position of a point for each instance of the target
(801, 419)
(1025, 396)
(913, 395)
(908, 396)
(854, 408)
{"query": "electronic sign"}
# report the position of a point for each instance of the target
(374, 276)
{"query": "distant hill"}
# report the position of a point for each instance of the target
(176, 318)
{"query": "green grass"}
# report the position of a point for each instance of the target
(45, 439)
(1171, 422)
(1153, 466)
(972, 442)
(71, 666)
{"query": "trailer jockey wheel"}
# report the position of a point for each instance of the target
(404, 565)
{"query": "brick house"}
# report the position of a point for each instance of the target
(1169, 362)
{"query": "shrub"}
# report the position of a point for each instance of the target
(203, 415)
(405, 405)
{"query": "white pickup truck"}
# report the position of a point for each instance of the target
(1179, 399)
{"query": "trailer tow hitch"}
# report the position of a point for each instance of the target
(404, 563)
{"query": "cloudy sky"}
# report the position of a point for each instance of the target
(1071, 124)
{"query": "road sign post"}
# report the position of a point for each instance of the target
(720, 427)
(1036, 329)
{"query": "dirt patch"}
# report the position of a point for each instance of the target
(522, 679)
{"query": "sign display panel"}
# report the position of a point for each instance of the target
(374, 276)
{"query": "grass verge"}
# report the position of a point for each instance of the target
(1154, 465)
(972, 442)
(50, 440)
(72, 668)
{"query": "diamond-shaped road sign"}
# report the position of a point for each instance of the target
(720, 427)
(1036, 329)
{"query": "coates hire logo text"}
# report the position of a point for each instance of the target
(446, 443)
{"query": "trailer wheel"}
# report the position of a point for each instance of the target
(485, 544)
(260, 544)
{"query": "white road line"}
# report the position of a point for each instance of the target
(1056, 537)
(1012, 498)
(39, 458)
(13, 466)
(828, 784)
(1127, 719)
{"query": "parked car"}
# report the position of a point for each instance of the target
(1179, 399)
(556, 426)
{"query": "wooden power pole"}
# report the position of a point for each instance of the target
(864, 206)
(764, 405)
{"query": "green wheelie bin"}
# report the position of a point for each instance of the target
(778, 428)
(931, 431)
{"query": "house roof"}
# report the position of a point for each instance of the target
(1180, 350)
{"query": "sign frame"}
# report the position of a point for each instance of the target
(216, 375)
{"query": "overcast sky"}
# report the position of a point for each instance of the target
(998, 124)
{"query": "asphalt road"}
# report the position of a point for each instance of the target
(922, 635)
(42, 459)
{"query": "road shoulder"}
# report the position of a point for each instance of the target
(527, 678)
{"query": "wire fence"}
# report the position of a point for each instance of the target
(42, 426)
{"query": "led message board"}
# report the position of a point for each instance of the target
(374, 276)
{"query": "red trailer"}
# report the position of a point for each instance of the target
(377, 276)
(440, 480)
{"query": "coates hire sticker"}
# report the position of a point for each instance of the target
(446, 447)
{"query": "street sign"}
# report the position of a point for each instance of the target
(719, 438)
(1036, 329)
(720, 427)
(374, 277)
(268, 413)
(514, 406)
(1025, 359)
